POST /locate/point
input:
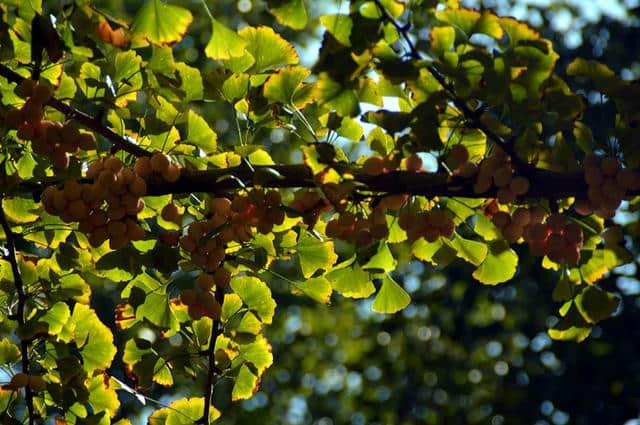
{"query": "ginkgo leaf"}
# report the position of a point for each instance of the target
(56, 317)
(595, 304)
(186, 411)
(224, 43)
(571, 327)
(268, 49)
(291, 13)
(391, 298)
(282, 85)
(9, 352)
(161, 23)
(200, 134)
(339, 26)
(382, 260)
(93, 338)
(498, 266)
(352, 282)
(335, 96)
(102, 395)
(472, 251)
(314, 254)
(246, 384)
(256, 295)
(317, 288)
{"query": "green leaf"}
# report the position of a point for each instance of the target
(601, 262)
(472, 251)
(186, 411)
(314, 254)
(56, 317)
(267, 49)
(499, 265)
(571, 327)
(291, 13)
(157, 310)
(200, 134)
(442, 39)
(224, 43)
(595, 304)
(352, 282)
(437, 253)
(161, 23)
(330, 93)
(20, 210)
(256, 295)
(339, 26)
(9, 352)
(382, 260)
(235, 87)
(246, 384)
(231, 305)
(282, 85)
(391, 298)
(471, 22)
(93, 338)
(102, 395)
(317, 288)
(258, 353)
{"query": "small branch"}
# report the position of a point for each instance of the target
(473, 116)
(212, 370)
(84, 119)
(22, 299)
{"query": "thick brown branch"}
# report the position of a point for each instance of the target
(22, 299)
(84, 119)
(544, 184)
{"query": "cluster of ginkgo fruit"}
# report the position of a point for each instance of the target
(608, 185)
(550, 235)
(21, 380)
(357, 229)
(49, 138)
(202, 302)
(206, 241)
(122, 190)
(157, 167)
(496, 170)
(429, 224)
(309, 203)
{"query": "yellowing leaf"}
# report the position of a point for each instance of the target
(282, 85)
(498, 266)
(391, 298)
(314, 254)
(256, 295)
(291, 13)
(224, 43)
(246, 384)
(186, 411)
(93, 338)
(265, 49)
(162, 23)
(317, 288)
(339, 26)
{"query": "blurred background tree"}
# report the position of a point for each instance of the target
(461, 353)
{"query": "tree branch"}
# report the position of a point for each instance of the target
(84, 119)
(212, 370)
(22, 299)
(543, 183)
(473, 116)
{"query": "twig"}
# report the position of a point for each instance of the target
(471, 115)
(22, 299)
(212, 370)
(84, 119)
